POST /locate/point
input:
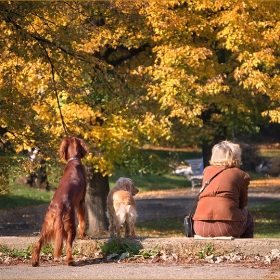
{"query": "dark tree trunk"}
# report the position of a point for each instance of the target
(97, 191)
(206, 153)
(207, 149)
(221, 132)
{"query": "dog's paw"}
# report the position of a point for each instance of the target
(83, 236)
(35, 264)
(71, 263)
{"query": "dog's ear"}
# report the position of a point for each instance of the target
(132, 188)
(121, 184)
(84, 148)
(63, 148)
(128, 184)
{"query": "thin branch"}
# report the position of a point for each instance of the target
(58, 103)
(56, 92)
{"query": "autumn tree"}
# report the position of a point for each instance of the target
(123, 74)
(64, 71)
(216, 68)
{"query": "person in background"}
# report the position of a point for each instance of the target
(221, 209)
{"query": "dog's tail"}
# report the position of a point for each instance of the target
(131, 214)
(59, 236)
(45, 237)
(126, 213)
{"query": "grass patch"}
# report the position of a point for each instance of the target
(267, 221)
(27, 253)
(176, 155)
(152, 182)
(266, 217)
(21, 253)
(21, 195)
(168, 227)
(120, 248)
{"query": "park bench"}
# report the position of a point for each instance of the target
(197, 167)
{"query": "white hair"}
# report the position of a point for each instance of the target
(226, 154)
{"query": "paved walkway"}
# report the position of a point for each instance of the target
(137, 271)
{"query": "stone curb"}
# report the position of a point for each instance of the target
(176, 245)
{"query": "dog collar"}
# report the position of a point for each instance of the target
(72, 158)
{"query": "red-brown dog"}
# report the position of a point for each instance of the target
(121, 207)
(60, 218)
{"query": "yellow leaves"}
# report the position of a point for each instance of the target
(147, 66)
(154, 127)
(249, 74)
(120, 128)
(214, 86)
(95, 43)
(252, 24)
(273, 114)
(73, 111)
(251, 60)
(15, 137)
(100, 163)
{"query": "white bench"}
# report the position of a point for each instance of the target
(197, 167)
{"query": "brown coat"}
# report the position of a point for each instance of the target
(223, 198)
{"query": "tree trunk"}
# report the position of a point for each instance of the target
(207, 149)
(221, 132)
(97, 191)
(206, 153)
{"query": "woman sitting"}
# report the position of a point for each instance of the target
(221, 207)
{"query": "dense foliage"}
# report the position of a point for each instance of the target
(123, 74)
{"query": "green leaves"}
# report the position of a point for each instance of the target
(19, 253)
(120, 249)
(117, 247)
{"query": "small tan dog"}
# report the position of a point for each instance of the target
(121, 207)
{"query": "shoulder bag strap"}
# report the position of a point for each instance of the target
(204, 186)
